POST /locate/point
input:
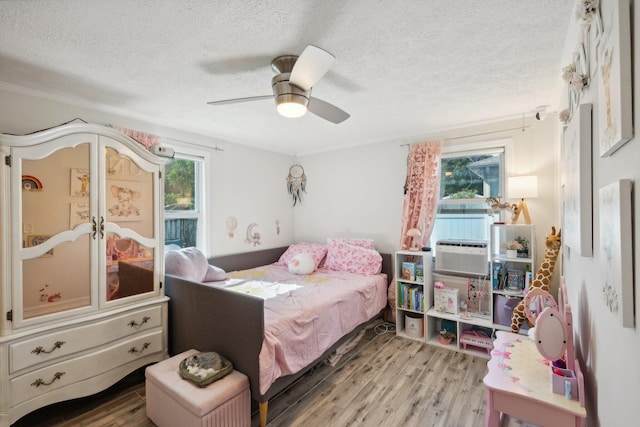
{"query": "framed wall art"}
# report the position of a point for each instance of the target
(123, 201)
(80, 182)
(616, 250)
(576, 176)
(615, 121)
(78, 214)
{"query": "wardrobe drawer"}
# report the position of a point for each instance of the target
(67, 372)
(27, 353)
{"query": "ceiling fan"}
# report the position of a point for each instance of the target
(295, 77)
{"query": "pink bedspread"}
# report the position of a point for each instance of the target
(303, 323)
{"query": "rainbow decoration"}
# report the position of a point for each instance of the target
(31, 183)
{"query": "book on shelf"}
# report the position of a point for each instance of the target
(528, 278)
(411, 297)
(408, 271)
(419, 273)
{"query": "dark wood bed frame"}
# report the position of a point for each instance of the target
(207, 318)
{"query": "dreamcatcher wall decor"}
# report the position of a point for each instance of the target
(296, 183)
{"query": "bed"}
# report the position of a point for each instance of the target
(271, 324)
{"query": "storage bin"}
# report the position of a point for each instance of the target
(414, 325)
(559, 377)
(503, 307)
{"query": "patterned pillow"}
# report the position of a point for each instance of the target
(363, 243)
(342, 256)
(317, 251)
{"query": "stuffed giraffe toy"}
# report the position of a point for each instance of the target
(543, 276)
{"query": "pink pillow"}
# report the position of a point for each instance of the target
(317, 251)
(342, 256)
(363, 243)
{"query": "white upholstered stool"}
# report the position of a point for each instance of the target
(173, 401)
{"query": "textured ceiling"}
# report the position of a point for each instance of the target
(403, 68)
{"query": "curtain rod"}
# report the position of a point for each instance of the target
(476, 134)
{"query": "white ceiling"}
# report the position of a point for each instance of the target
(403, 68)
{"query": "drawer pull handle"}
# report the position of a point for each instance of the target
(144, 347)
(94, 227)
(40, 381)
(135, 324)
(102, 227)
(41, 349)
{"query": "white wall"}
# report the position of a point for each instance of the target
(608, 352)
(359, 191)
(243, 182)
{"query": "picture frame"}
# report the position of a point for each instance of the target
(79, 183)
(576, 181)
(123, 198)
(79, 213)
(37, 239)
(615, 120)
(616, 250)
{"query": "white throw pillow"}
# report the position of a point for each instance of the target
(214, 274)
(188, 263)
(302, 264)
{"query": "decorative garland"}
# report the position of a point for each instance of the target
(576, 74)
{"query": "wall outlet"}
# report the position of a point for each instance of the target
(27, 227)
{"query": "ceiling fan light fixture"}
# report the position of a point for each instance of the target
(291, 106)
(291, 101)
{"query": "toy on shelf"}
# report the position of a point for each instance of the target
(477, 339)
(543, 276)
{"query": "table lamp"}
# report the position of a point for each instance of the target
(415, 234)
(522, 187)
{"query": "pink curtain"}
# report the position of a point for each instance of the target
(145, 139)
(422, 191)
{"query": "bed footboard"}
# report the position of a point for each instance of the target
(208, 318)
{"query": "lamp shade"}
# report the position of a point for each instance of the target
(413, 232)
(522, 187)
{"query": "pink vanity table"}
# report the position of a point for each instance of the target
(519, 382)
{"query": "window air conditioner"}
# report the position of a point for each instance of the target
(462, 256)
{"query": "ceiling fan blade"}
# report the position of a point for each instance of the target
(310, 66)
(327, 111)
(236, 100)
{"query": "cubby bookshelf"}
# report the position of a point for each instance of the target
(509, 274)
(413, 296)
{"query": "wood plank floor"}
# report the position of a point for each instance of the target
(383, 380)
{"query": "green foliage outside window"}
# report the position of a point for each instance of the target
(470, 177)
(179, 184)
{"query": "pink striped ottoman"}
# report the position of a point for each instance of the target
(173, 401)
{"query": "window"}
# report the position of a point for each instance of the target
(183, 200)
(466, 180)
